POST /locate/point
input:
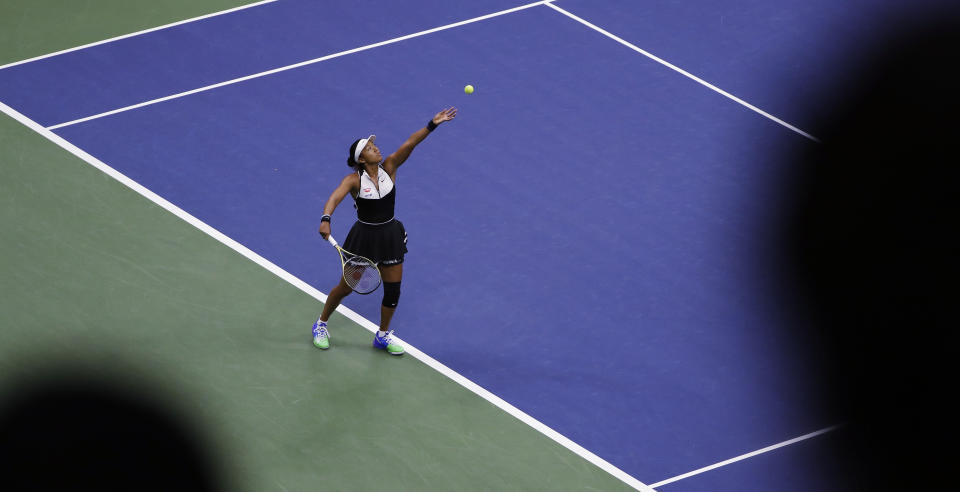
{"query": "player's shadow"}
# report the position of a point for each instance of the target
(869, 241)
(75, 429)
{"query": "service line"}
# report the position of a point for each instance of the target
(298, 65)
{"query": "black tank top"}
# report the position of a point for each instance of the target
(373, 207)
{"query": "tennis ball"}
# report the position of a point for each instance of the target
(468, 89)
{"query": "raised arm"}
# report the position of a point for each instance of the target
(393, 161)
(349, 183)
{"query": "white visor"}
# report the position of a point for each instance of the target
(361, 145)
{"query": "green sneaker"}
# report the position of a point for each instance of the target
(321, 338)
(386, 342)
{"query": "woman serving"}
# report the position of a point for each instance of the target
(376, 234)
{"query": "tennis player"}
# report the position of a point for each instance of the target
(376, 234)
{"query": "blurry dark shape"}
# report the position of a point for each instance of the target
(77, 430)
(870, 237)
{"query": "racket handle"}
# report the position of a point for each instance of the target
(332, 241)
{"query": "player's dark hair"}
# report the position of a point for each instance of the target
(353, 148)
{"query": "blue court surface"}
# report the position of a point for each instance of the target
(588, 239)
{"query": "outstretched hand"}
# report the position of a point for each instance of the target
(445, 115)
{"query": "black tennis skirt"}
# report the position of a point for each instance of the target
(383, 244)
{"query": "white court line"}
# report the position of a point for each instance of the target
(298, 65)
(683, 72)
(145, 31)
(303, 286)
(745, 456)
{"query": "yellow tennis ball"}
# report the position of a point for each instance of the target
(468, 89)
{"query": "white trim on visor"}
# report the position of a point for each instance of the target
(360, 146)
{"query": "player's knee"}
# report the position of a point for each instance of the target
(391, 294)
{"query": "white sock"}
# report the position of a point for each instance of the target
(319, 321)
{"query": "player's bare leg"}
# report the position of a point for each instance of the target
(391, 292)
(321, 337)
(392, 273)
(333, 299)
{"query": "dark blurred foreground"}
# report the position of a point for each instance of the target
(869, 238)
(71, 428)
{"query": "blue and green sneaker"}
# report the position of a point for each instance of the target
(321, 338)
(385, 341)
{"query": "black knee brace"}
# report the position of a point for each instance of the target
(391, 294)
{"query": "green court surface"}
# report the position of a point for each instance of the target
(94, 272)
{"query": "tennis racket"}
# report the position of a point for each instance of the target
(361, 274)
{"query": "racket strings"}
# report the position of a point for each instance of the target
(361, 275)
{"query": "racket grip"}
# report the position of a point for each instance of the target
(332, 241)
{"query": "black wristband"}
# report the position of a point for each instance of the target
(325, 218)
(431, 126)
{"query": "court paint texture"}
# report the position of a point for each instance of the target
(584, 237)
